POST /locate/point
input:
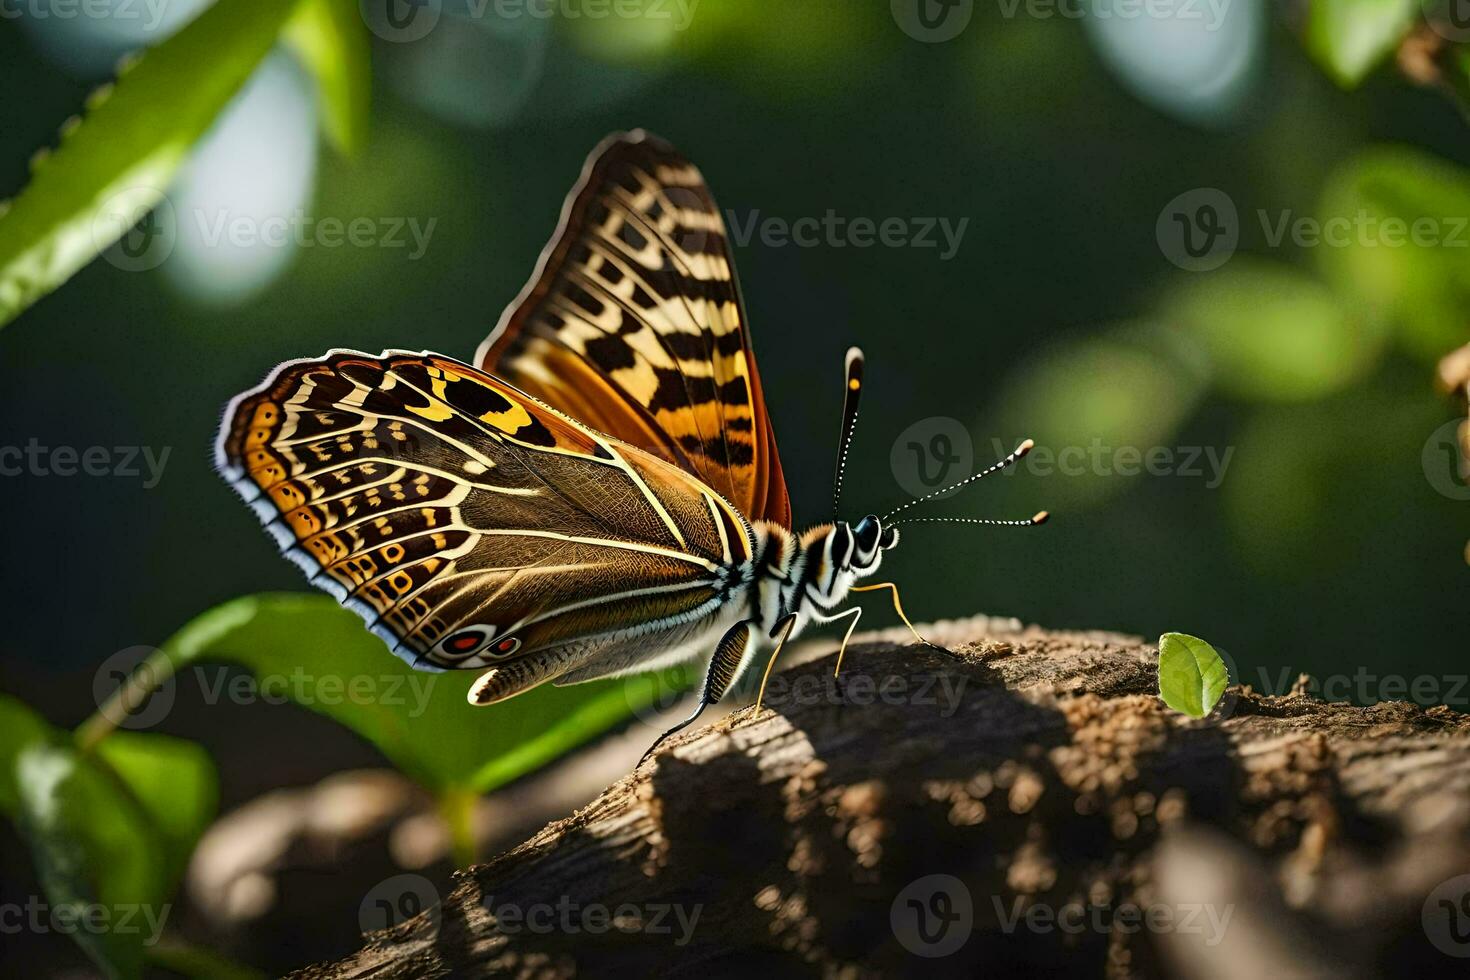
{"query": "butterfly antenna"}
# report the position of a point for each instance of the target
(1040, 518)
(1019, 452)
(853, 390)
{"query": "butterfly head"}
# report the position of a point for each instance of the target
(868, 540)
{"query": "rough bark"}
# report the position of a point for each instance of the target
(1282, 836)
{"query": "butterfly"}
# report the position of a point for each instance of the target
(599, 493)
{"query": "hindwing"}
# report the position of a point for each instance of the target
(466, 521)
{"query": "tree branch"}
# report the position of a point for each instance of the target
(1038, 768)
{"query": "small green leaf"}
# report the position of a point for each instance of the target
(331, 39)
(1192, 677)
(308, 649)
(116, 163)
(1348, 38)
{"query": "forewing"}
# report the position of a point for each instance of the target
(468, 523)
(633, 323)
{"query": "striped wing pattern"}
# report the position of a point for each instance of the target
(467, 522)
(633, 323)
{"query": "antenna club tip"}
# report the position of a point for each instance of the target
(1025, 447)
(1041, 517)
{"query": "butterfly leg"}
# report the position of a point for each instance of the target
(897, 607)
(785, 627)
(722, 669)
(856, 613)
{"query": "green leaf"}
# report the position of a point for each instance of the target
(113, 167)
(1192, 677)
(330, 38)
(20, 728)
(1348, 38)
(174, 783)
(110, 830)
(308, 649)
(96, 856)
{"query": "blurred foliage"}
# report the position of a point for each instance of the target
(1349, 38)
(114, 166)
(328, 37)
(1415, 275)
(112, 828)
(1272, 333)
(119, 160)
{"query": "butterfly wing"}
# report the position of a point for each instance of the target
(633, 323)
(469, 524)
